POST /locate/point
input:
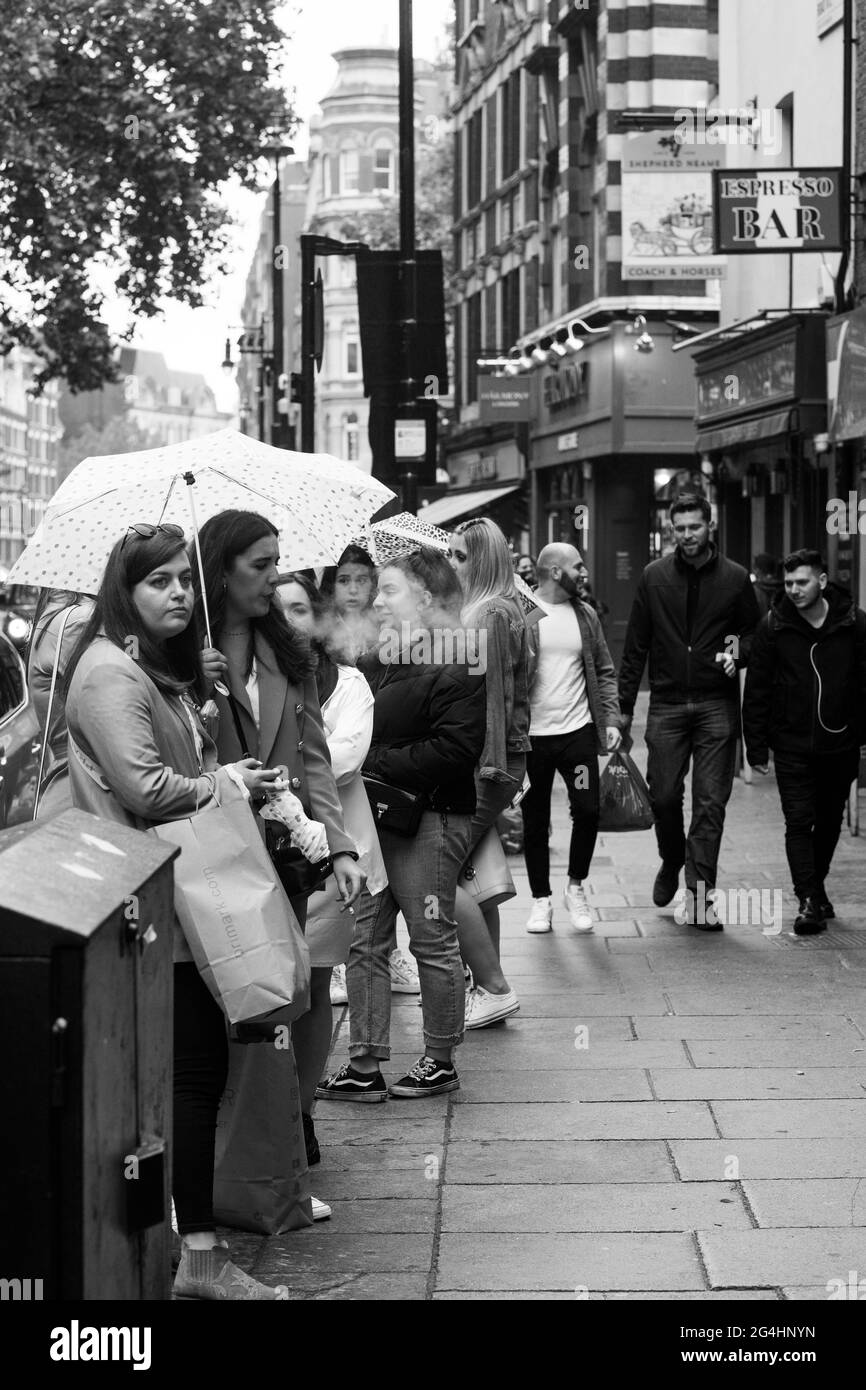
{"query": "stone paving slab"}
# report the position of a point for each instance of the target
(767, 1158)
(387, 1215)
(760, 1000)
(611, 1261)
(793, 1202)
(353, 1184)
(763, 1028)
(559, 1161)
(584, 1120)
(791, 1119)
(485, 1087)
(817, 1083)
(523, 1050)
(553, 1295)
(780, 1258)
(326, 1286)
(304, 1255)
(795, 1054)
(817, 1293)
(594, 1207)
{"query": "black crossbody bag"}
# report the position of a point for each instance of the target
(393, 808)
(298, 876)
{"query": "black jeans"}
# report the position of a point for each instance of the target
(706, 732)
(200, 1071)
(575, 757)
(813, 789)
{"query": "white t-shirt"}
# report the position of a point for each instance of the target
(558, 699)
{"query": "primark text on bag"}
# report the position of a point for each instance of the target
(624, 802)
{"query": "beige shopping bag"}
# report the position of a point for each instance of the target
(235, 915)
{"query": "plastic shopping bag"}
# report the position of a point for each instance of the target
(260, 1180)
(235, 915)
(623, 796)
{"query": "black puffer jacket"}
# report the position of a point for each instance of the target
(429, 727)
(682, 664)
(806, 686)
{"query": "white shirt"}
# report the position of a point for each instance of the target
(558, 700)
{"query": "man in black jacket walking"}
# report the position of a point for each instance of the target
(694, 615)
(806, 699)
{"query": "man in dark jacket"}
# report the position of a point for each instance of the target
(694, 615)
(806, 699)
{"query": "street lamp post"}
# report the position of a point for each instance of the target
(408, 263)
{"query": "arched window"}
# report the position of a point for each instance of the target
(349, 171)
(383, 169)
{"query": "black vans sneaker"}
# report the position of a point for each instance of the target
(427, 1078)
(348, 1084)
(809, 920)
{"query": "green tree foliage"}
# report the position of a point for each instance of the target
(119, 435)
(118, 125)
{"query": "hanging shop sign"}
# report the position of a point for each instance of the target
(502, 398)
(772, 210)
(667, 207)
(846, 376)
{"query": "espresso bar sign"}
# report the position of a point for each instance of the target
(569, 383)
(771, 210)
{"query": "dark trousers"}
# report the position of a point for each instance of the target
(575, 757)
(813, 789)
(200, 1071)
(706, 732)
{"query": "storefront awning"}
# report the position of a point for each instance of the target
(449, 508)
(746, 432)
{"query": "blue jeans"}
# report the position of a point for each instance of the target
(705, 731)
(422, 882)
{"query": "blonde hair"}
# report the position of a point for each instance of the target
(489, 572)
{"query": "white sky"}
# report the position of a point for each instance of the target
(194, 339)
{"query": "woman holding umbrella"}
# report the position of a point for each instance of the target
(269, 671)
(139, 755)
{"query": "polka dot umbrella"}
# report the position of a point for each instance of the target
(316, 502)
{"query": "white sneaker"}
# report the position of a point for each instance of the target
(339, 994)
(321, 1210)
(404, 974)
(541, 917)
(483, 1008)
(578, 908)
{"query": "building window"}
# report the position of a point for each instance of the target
(473, 161)
(510, 127)
(383, 169)
(349, 171)
(473, 346)
(353, 357)
(351, 441)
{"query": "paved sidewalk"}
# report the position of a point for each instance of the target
(673, 1114)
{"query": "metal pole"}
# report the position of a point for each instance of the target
(308, 380)
(408, 280)
(847, 131)
(278, 422)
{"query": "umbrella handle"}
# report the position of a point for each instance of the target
(189, 479)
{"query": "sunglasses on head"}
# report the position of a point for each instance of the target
(467, 525)
(146, 530)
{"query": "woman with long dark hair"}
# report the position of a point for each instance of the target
(269, 668)
(492, 610)
(139, 755)
(428, 732)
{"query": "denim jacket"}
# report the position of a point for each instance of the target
(506, 656)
